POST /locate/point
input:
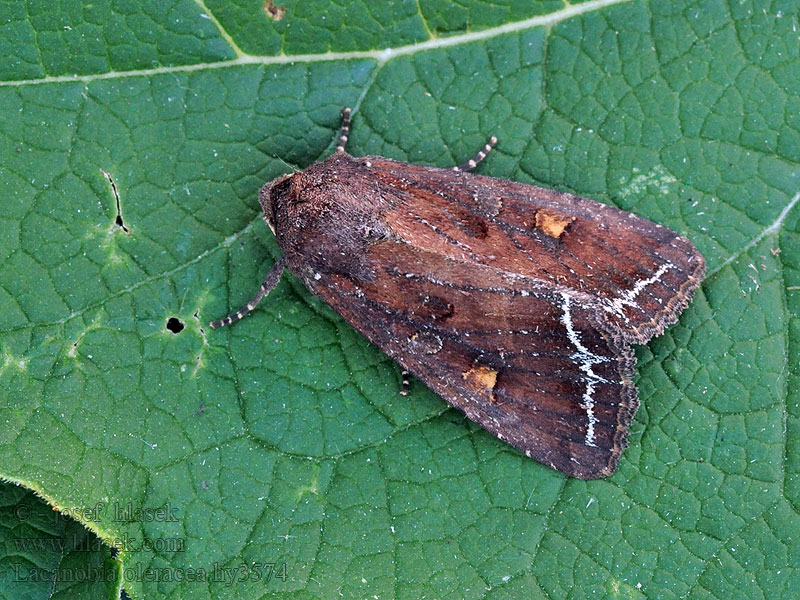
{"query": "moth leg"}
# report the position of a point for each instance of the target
(404, 384)
(471, 164)
(270, 281)
(344, 130)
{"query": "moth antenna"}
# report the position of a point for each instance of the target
(292, 167)
(472, 163)
(344, 130)
(270, 281)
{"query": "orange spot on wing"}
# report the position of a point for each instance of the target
(482, 377)
(552, 223)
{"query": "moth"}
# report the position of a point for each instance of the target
(516, 304)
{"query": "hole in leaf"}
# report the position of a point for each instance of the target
(276, 13)
(175, 325)
(118, 220)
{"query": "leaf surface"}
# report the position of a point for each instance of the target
(133, 140)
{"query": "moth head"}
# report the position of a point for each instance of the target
(317, 221)
(292, 208)
(272, 195)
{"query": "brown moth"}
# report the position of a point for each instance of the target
(517, 304)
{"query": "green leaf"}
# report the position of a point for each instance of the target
(46, 554)
(134, 137)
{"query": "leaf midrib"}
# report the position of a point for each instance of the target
(379, 56)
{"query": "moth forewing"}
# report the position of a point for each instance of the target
(517, 304)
